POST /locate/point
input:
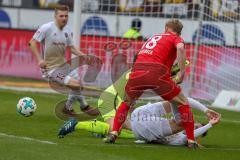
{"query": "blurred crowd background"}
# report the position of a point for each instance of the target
(225, 10)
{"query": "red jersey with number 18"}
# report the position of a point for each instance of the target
(160, 48)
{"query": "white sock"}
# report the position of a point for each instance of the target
(82, 101)
(76, 95)
(70, 101)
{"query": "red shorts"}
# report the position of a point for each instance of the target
(151, 76)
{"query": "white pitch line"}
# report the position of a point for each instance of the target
(26, 138)
(108, 145)
(29, 89)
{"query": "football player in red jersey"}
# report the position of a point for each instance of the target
(152, 70)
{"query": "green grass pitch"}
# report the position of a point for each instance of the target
(35, 138)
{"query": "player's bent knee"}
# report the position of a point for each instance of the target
(180, 99)
(73, 84)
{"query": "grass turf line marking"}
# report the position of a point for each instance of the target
(29, 89)
(26, 138)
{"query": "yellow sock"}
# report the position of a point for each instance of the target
(125, 133)
(99, 127)
(93, 126)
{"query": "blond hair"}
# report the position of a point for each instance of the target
(175, 25)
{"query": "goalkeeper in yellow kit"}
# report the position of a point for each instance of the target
(109, 99)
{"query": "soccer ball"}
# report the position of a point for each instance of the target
(26, 106)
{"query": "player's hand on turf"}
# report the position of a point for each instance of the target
(42, 64)
(216, 120)
(212, 114)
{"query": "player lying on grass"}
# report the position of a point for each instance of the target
(55, 37)
(147, 123)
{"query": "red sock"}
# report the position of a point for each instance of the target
(187, 120)
(120, 116)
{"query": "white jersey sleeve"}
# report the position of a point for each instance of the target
(41, 33)
(181, 138)
(197, 105)
(198, 132)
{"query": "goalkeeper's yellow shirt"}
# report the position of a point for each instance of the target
(112, 97)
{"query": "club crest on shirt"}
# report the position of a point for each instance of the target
(66, 35)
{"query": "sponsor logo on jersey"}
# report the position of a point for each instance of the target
(58, 43)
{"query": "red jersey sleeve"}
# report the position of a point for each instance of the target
(178, 40)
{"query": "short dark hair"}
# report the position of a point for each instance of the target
(136, 23)
(175, 25)
(61, 8)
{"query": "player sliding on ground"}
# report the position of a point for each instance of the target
(147, 124)
(151, 70)
(56, 37)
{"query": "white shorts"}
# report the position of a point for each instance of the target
(61, 75)
(147, 123)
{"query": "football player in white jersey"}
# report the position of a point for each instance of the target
(149, 125)
(55, 37)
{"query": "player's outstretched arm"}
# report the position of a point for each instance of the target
(199, 106)
(200, 131)
(181, 139)
(33, 46)
(76, 51)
